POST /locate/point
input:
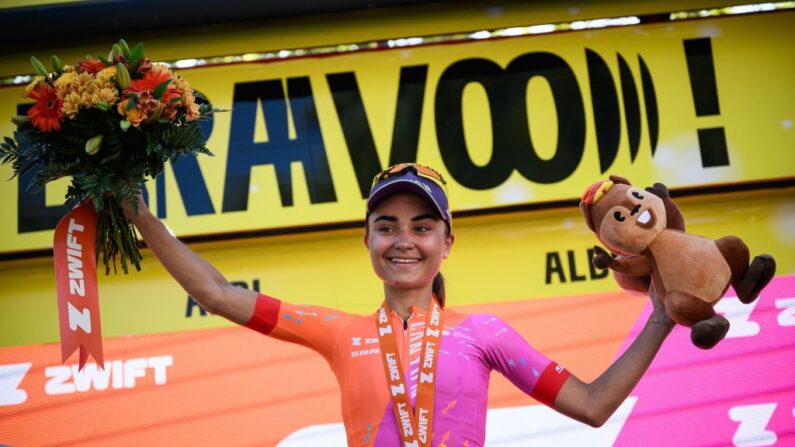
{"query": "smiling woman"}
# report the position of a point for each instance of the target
(422, 355)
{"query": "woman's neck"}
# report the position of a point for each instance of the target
(401, 300)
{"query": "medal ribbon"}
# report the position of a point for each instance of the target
(415, 427)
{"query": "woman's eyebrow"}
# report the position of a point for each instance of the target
(386, 217)
(424, 216)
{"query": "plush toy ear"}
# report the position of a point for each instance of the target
(618, 179)
(586, 213)
(674, 219)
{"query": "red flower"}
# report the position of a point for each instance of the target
(92, 66)
(149, 82)
(46, 114)
(170, 94)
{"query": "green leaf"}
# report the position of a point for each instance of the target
(137, 54)
(125, 48)
(38, 66)
(138, 51)
(57, 66)
(160, 89)
(104, 61)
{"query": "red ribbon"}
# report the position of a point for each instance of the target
(76, 279)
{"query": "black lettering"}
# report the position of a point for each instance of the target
(241, 284)
(408, 114)
(280, 151)
(701, 67)
(189, 309)
(570, 113)
(596, 273)
(450, 125)
(554, 266)
(191, 185)
(573, 268)
(631, 106)
(650, 101)
(356, 128)
(606, 115)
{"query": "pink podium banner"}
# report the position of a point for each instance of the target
(740, 393)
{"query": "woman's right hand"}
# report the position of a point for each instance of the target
(129, 212)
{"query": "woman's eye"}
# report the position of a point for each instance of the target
(422, 229)
(617, 215)
(637, 195)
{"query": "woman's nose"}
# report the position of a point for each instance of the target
(404, 240)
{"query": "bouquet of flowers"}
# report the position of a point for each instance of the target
(108, 123)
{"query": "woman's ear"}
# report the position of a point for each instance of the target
(448, 245)
(366, 242)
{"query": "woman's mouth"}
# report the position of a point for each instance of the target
(403, 261)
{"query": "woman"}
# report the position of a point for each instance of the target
(413, 373)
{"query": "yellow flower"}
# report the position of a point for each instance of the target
(161, 67)
(66, 83)
(68, 68)
(105, 94)
(71, 104)
(183, 86)
(84, 80)
(191, 108)
(85, 99)
(29, 88)
(107, 73)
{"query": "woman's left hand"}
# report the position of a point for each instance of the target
(658, 313)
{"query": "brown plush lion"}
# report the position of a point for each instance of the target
(689, 273)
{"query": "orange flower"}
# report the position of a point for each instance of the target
(46, 114)
(134, 116)
(92, 66)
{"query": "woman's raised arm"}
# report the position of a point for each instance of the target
(593, 403)
(198, 277)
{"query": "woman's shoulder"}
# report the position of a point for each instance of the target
(455, 315)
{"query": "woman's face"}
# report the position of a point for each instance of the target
(407, 241)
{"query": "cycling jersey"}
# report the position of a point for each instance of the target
(472, 345)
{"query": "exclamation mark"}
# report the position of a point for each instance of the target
(705, 96)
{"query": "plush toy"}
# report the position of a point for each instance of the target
(689, 273)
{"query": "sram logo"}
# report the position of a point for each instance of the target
(116, 374)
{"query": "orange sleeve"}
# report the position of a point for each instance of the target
(315, 327)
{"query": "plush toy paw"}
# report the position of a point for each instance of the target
(601, 258)
(707, 333)
(760, 272)
(659, 190)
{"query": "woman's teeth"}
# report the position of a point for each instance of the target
(404, 260)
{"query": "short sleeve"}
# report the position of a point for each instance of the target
(315, 327)
(507, 352)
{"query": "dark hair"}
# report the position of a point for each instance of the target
(438, 288)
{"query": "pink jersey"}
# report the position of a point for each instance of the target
(472, 346)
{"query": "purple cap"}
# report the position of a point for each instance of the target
(411, 182)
